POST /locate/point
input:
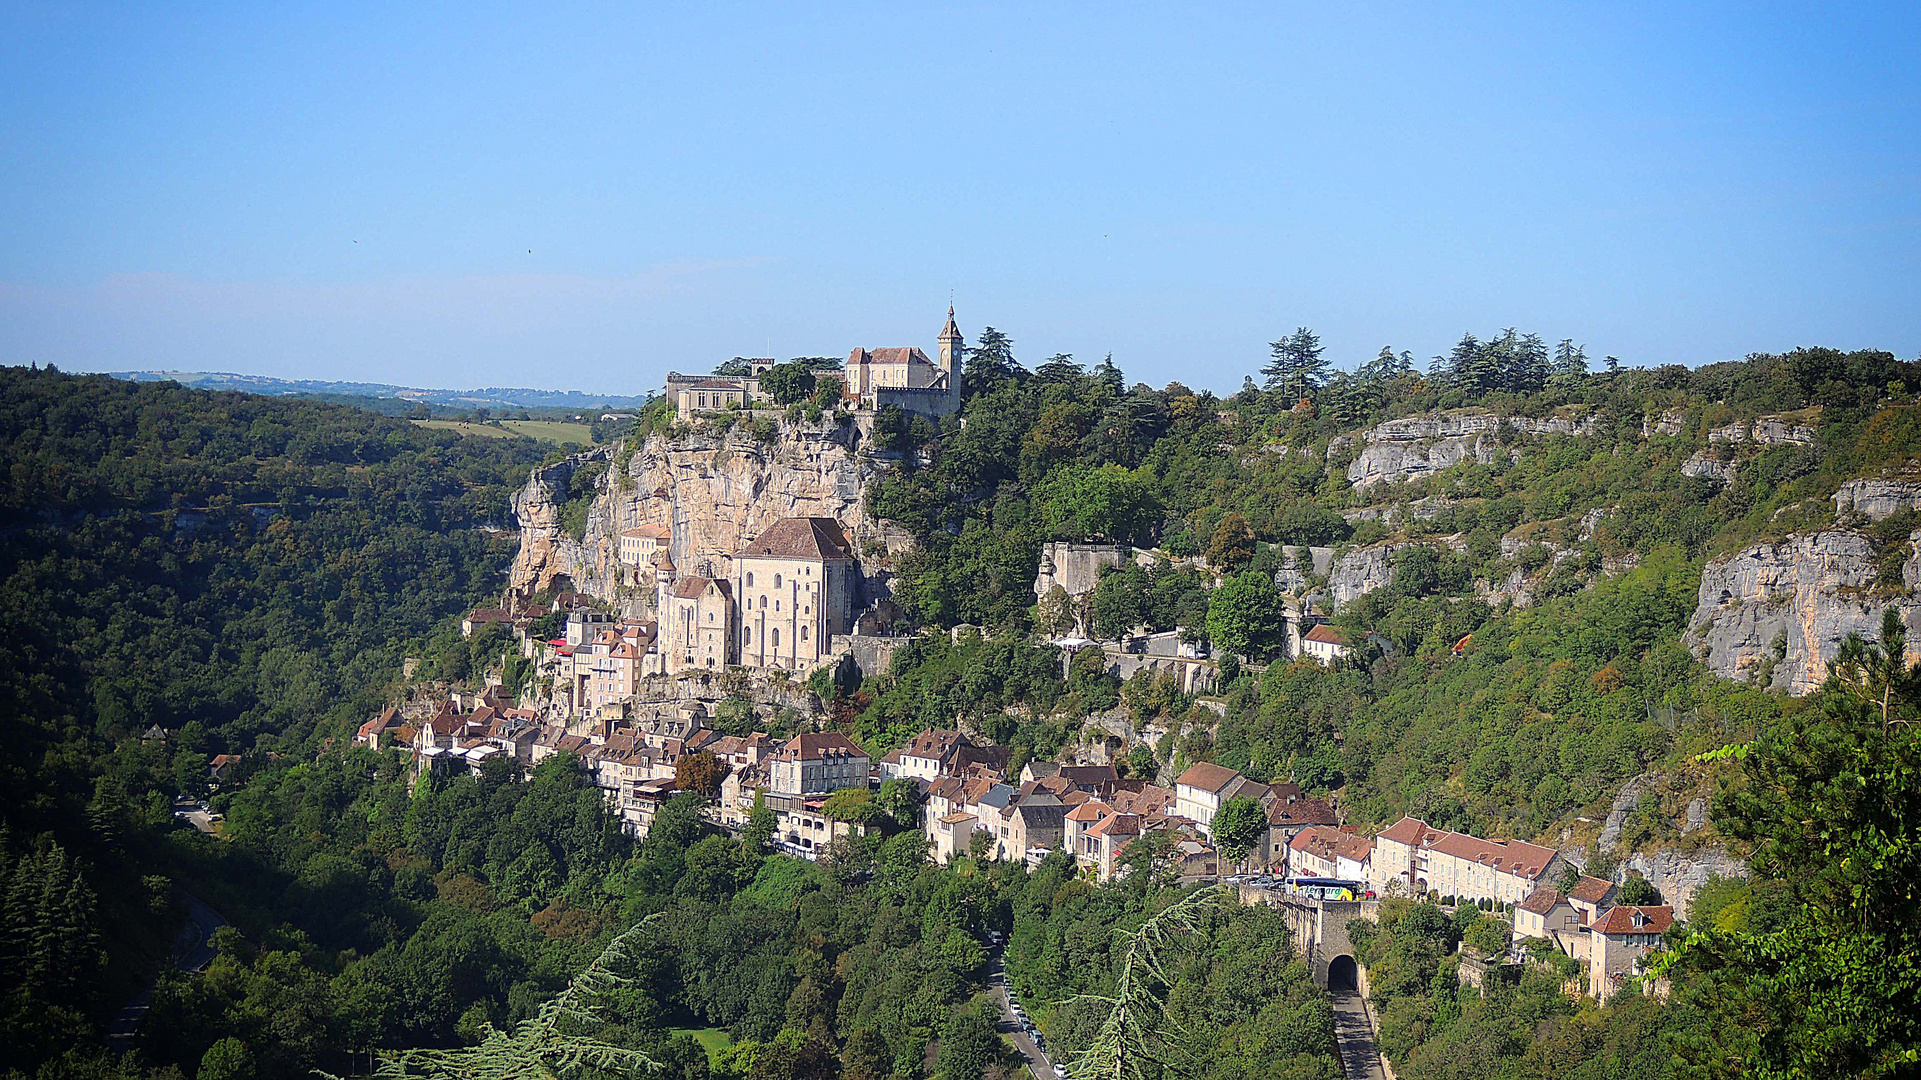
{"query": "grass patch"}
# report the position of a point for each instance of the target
(468, 427)
(554, 431)
(712, 1040)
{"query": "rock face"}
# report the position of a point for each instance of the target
(1418, 446)
(1704, 464)
(1671, 422)
(1362, 570)
(1679, 876)
(1878, 497)
(1298, 562)
(715, 490)
(1807, 592)
(1076, 568)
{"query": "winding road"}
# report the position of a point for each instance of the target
(1037, 1060)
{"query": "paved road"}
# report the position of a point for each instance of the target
(1037, 1060)
(1360, 1058)
(192, 951)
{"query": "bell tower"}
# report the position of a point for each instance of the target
(951, 347)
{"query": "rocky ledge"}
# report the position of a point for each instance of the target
(715, 490)
(1789, 604)
(1417, 446)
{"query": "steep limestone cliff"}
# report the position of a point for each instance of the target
(1417, 446)
(1806, 592)
(715, 491)
(1878, 497)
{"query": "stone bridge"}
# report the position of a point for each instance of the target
(1320, 932)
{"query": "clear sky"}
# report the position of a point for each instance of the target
(587, 195)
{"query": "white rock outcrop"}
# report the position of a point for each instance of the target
(715, 490)
(1704, 464)
(1801, 595)
(1417, 446)
(1878, 497)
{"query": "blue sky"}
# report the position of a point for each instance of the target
(586, 195)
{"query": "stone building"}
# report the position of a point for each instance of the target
(798, 585)
(696, 623)
(814, 763)
(638, 550)
(1423, 859)
(872, 379)
(905, 377)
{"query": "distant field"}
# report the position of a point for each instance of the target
(485, 431)
(712, 1040)
(553, 431)
(556, 431)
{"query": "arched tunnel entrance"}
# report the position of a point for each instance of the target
(1343, 975)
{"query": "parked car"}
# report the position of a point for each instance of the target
(1060, 1070)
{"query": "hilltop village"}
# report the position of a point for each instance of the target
(672, 680)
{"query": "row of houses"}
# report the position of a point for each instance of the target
(1412, 858)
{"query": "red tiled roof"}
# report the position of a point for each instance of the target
(890, 354)
(1207, 776)
(815, 538)
(814, 745)
(1328, 844)
(691, 587)
(1542, 900)
(1407, 831)
(1087, 811)
(1302, 812)
(1591, 890)
(1325, 634)
(1622, 918)
(1117, 825)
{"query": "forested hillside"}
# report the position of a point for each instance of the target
(245, 573)
(1521, 591)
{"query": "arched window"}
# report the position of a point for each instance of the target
(803, 633)
(763, 603)
(776, 581)
(750, 579)
(776, 637)
(748, 633)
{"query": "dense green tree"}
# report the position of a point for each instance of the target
(1296, 365)
(1232, 546)
(788, 383)
(1245, 616)
(1238, 827)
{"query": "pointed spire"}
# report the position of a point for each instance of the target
(950, 332)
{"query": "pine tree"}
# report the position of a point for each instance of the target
(1297, 366)
(1570, 360)
(989, 360)
(1531, 364)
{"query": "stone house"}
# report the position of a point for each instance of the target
(1617, 942)
(1546, 913)
(639, 547)
(698, 616)
(1205, 787)
(816, 763)
(1287, 816)
(1325, 644)
(1421, 860)
(1322, 851)
(798, 584)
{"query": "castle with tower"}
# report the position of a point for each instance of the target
(872, 379)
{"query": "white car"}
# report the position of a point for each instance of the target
(1060, 1071)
